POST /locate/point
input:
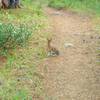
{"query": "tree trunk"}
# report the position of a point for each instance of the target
(9, 4)
(17, 3)
(5, 3)
(0, 3)
(14, 4)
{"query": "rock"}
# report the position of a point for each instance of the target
(57, 13)
(98, 55)
(98, 48)
(97, 61)
(67, 45)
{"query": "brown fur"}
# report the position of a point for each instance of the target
(52, 49)
(49, 45)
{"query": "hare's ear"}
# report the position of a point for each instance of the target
(49, 39)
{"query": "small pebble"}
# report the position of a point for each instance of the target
(66, 45)
(57, 13)
(98, 61)
(98, 48)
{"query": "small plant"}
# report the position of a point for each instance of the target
(12, 36)
(22, 95)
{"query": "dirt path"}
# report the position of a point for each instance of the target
(73, 75)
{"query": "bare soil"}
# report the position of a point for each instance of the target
(74, 74)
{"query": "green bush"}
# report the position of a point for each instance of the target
(87, 5)
(57, 4)
(12, 36)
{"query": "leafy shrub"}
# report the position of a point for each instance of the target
(57, 4)
(93, 5)
(12, 36)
